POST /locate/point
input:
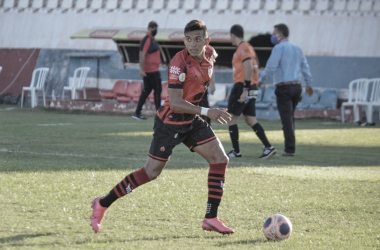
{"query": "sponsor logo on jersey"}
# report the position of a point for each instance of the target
(174, 73)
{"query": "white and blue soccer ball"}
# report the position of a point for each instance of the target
(277, 227)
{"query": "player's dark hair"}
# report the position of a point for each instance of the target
(196, 25)
(283, 29)
(237, 30)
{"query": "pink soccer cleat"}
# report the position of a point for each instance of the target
(216, 225)
(97, 214)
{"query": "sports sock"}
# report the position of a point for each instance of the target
(216, 178)
(234, 134)
(126, 186)
(261, 134)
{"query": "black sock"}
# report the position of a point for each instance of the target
(212, 209)
(234, 134)
(261, 134)
(108, 199)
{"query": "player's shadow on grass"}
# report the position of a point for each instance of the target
(243, 242)
(21, 237)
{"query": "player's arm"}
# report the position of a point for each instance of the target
(212, 84)
(141, 63)
(248, 69)
(177, 103)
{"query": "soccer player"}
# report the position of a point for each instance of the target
(244, 92)
(178, 121)
(149, 61)
(287, 65)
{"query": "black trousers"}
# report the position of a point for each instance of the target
(288, 97)
(152, 81)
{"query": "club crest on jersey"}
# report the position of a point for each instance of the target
(210, 71)
(182, 77)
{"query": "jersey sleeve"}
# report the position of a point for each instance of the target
(246, 53)
(177, 72)
(145, 44)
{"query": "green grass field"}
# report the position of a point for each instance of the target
(53, 163)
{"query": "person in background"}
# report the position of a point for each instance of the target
(287, 65)
(149, 63)
(244, 92)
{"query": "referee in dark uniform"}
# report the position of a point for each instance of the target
(287, 65)
(149, 61)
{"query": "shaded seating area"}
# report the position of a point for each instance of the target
(307, 100)
(119, 89)
(328, 100)
(132, 92)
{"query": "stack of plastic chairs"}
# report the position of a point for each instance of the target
(357, 93)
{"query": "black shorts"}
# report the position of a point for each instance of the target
(235, 107)
(166, 137)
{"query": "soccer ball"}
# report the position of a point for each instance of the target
(277, 227)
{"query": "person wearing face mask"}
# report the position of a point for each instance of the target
(149, 62)
(287, 65)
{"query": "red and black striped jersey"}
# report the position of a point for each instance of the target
(184, 72)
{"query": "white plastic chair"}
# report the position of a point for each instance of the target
(374, 100)
(111, 5)
(37, 5)
(23, 5)
(96, 5)
(52, 5)
(254, 5)
(37, 84)
(78, 84)
(126, 5)
(205, 5)
(287, 5)
(357, 92)
(304, 5)
(237, 5)
(81, 5)
(66, 5)
(270, 5)
(339, 5)
(189, 5)
(172, 5)
(158, 5)
(322, 5)
(9, 5)
(142, 5)
(221, 5)
(352, 5)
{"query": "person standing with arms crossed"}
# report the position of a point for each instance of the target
(149, 63)
(287, 65)
(244, 92)
(178, 121)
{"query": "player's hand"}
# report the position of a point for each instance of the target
(243, 96)
(309, 90)
(142, 73)
(221, 116)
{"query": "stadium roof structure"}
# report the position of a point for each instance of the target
(170, 40)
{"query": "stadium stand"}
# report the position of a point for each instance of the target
(96, 5)
(66, 5)
(287, 5)
(80, 5)
(157, 5)
(252, 7)
(23, 5)
(8, 6)
(132, 93)
(78, 83)
(119, 89)
(189, 5)
(221, 6)
(306, 100)
(269, 98)
(237, 5)
(205, 5)
(270, 5)
(172, 5)
(111, 5)
(51, 5)
(357, 93)
(37, 84)
(219, 94)
(224, 102)
(126, 5)
(374, 100)
(37, 5)
(304, 6)
(328, 100)
(142, 5)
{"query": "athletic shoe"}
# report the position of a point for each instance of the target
(97, 214)
(139, 117)
(268, 152)
(233, 154)
(216, 225)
